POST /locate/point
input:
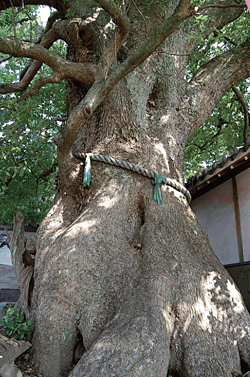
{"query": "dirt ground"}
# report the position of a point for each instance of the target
(25, 365)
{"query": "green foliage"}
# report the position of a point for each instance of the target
(223, 130)
(219, 135)
(199, 25)
(217, 41)
(14, 325)
(27, 151)
(25, 22)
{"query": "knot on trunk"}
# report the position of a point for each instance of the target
(87, 111)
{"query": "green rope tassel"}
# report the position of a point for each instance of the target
(87, 171)
(157, 188)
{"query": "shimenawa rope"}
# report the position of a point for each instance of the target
(156, 179)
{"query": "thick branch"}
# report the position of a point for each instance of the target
(245, 108)
(99, 90)
(142, 16)
(224, 6)
(215, 78)
(84, 73)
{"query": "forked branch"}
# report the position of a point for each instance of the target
(81, 72)
(47, 41)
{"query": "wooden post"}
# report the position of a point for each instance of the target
(237, 219)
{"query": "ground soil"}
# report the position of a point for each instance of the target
(26, 366)
(24, 363)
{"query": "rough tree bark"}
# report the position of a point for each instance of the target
(137, 282)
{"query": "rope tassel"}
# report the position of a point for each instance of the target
(87, 171)
(156, 181)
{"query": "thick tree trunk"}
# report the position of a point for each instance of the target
(137, 281)
(168, 305)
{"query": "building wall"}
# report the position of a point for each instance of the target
(216, 213)
(5, 256)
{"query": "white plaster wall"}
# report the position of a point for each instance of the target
(5, 256)
(215, 212)
(243, 183)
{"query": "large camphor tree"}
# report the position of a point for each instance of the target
(135, 281)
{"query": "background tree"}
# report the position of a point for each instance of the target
(136, 282)
(28, 153)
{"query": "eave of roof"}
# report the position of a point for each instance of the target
(220, 172)
(27, 228)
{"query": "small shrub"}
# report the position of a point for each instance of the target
(14, 325)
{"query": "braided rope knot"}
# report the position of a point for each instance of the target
(156, 179)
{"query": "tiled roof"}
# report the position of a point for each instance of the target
(239, 159)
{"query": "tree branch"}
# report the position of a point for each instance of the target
(119, 17)
(47, 172)
(214, 78)
(54, 79)
(50, 22)
(245, 108)
(224, 6)
(47, 41)
(141, 14)
(216, 19)
(5, 60)
(58, 119)
(84, 73)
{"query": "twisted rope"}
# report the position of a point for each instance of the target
(137, 169)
